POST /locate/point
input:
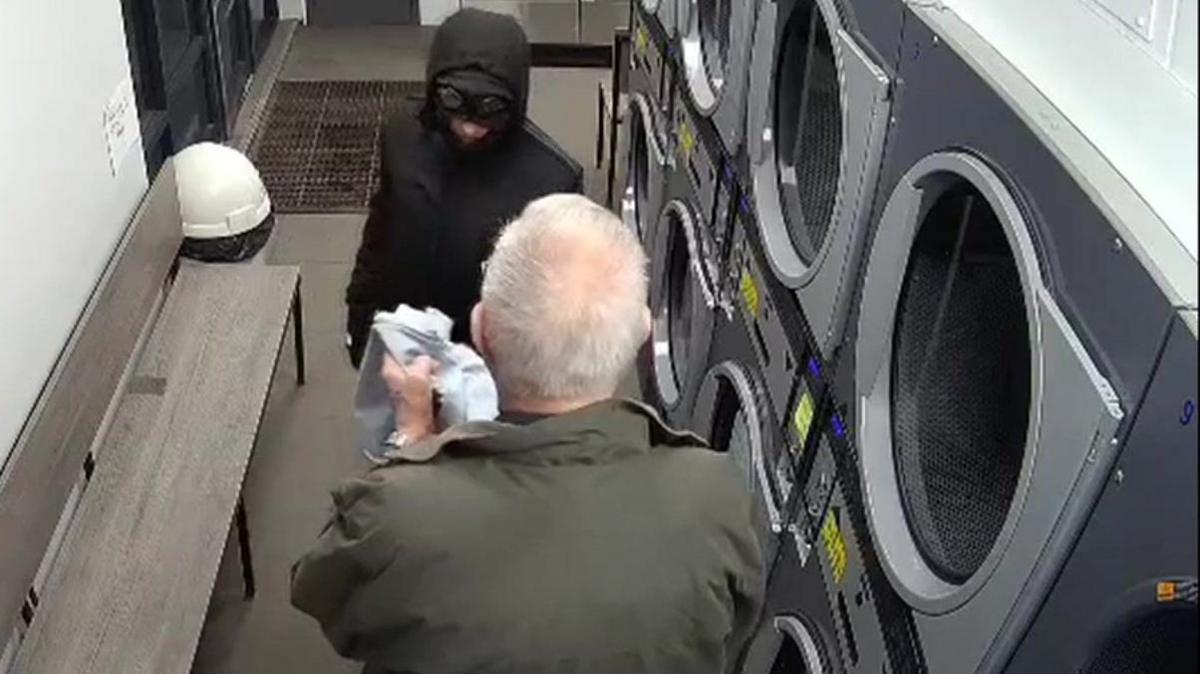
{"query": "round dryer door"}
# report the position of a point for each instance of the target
(976, 395)
(646, 171)
(730, 412)
(818, 110)
(808, 129)
(1161, 639)
(682, 305)
(707, 42)
(787, 645)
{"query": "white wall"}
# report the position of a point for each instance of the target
(62, 210)
(293, 9)
(433, 12)
(1124, 73)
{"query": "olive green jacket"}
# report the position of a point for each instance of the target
(594, 542)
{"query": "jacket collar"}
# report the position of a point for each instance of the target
(604, 429)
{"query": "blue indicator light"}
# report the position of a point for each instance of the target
(814, 366)
(839, 426)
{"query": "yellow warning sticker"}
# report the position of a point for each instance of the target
(1167, 592)
(835, 546)
(750, 296)
(803, 417)
(642, 40)
(687, 140)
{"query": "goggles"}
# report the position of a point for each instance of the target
(488, 109)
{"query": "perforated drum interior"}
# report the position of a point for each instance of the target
(960, 383)
(808, 121)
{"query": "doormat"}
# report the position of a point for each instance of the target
(318, 145)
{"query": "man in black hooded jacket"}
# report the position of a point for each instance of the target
(454, 171)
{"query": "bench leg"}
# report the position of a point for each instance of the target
(243, 534)
(298, 329)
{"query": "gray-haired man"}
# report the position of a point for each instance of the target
(577, 533)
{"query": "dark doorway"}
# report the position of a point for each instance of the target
(191, 63)
(363, 12)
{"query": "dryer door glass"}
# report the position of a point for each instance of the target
(731, 432)
(808, 122)
(639, 168)
(960, 383)
(681, 300)
(715, 26)
(674, 310)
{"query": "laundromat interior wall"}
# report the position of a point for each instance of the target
(63, 204)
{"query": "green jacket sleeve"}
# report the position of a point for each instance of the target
(748, 585)
(352, 549)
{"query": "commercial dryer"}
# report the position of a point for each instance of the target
(684, 292)
(1006, 326)
(1126, 600)
(732, 412)
(829, 607)
(715, 40)
(819, 105)
(648, 132)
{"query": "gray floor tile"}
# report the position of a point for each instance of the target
(323, 287)
(359, 53)
(316, 238)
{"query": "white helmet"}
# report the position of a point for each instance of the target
(225, 208)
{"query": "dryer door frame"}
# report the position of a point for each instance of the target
(1072, 419)
(671, 386)
(753, 404)
(824, 281)
(658, 166)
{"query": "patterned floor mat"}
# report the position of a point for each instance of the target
(318, 146)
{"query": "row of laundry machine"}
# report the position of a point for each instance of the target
(880, 283)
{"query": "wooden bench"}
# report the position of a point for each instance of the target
(132, 583)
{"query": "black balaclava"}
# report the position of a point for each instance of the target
(481, 53)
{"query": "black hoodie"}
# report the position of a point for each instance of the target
(439, 209)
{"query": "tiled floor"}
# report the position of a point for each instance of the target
(305, 445)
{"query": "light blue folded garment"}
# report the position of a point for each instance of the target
(468, 392)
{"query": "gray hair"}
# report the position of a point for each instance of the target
(564, 295)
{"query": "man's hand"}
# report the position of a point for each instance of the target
(411, 390)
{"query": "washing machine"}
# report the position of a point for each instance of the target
(819, 105)
(684, 293)
(1002, 333)
(715, 38)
